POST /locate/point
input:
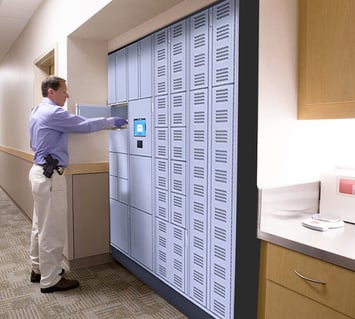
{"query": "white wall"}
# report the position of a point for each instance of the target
(82, 61)
(49, 28)
(291, 151)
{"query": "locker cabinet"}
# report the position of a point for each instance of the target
(178, 156)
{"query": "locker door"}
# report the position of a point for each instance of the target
(140, 183)
(161, 65)
(199, 43)
(222, 214)
(142, 237)
(161, 111)
(171, 254)
(132, 58)
(145, 67)
(119, 226)
(179, 105)
(199, 181)
(178, 35)
(121, 75)
(223, 43)
(113, 164)
(111, 78)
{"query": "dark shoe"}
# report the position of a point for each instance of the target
(37, 277)
(61, 285)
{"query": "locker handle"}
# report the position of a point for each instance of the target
(309, 279)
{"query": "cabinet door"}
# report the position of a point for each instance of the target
(326, 59)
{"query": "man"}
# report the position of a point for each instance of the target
(49, 125)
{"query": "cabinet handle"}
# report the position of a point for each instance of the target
(309, 279)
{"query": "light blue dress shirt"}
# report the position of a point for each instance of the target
(49, 127)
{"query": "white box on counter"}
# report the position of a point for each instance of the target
(337, 196)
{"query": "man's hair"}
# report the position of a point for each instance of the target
(51, 82)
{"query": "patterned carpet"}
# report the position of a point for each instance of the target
(106, 291)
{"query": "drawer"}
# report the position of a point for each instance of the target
(292, 305)
(338, 292)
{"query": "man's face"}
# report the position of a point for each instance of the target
(59, 97)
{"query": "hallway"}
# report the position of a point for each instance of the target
(106, 291)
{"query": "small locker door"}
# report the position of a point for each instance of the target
(111, 79)
(121, 75)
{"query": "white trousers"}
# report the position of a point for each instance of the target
(48, 225)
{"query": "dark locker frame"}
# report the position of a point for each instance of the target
(247, 245)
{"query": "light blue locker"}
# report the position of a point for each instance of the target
(178, 209)
(93, 110)
(199, 208)
(118, 141)
(178, 107)
(178, 177)
(111, 98)
(222, 215)
(113, 187)
(121, 76)
(132, 64)
(223, 55)
(161, 111)
(161, 66)
(146, 62)
(162, 204)
(178, 143)
(199, 44)
(162, 249)
(142, 237)
(139, 56)
(161, 143)
(113, 164)
(123, 190)
(119, 226)
(122, 165)
(178, 49)
(171, 258)
(140, 183)
(162, 174)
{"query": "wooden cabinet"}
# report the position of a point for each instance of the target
(326, 88)
(285, 294)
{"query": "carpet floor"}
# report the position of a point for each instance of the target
(106, 291)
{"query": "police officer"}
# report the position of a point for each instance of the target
(49, 125)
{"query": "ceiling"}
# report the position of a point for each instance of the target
(117, 17)
(14, 16)
(111, 21)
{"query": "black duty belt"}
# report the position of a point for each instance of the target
(59, 169)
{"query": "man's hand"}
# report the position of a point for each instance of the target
(120, 122)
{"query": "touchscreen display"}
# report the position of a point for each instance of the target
(139, 127)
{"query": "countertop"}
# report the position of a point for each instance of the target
(281, 212)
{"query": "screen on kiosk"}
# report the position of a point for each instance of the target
(139, 127)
